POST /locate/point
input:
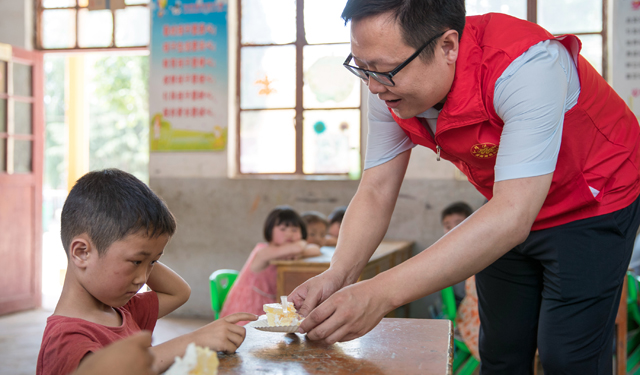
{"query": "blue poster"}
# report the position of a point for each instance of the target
(188, 77)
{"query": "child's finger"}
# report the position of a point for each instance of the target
(235, 338)
(239, 330)
(237, 317)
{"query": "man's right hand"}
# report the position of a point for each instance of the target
(316, 290)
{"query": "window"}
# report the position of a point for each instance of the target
(299, 109)
(69, 24)
(583, 18)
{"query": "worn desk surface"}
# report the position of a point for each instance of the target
(395, 346)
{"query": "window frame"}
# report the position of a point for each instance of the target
(40, 9)
(299, 44)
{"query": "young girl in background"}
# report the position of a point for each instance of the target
(285, 233)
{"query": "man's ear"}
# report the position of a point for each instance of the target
(80, 250)
(450, 46)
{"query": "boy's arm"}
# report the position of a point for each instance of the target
(172, 290)
(272, 252)
(311, 250)
(222, 335)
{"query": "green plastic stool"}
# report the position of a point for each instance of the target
(463, 362)
(633, 337)
(220, 282)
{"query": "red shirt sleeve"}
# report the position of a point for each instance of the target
(64, 351)
(144, 309)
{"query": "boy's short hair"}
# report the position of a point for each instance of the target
(283, 215)
(312, 217)
(109, 205)
(457, 208)
(337, 214)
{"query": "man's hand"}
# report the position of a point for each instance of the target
(315, 291)
(130, 356)
(348, 314)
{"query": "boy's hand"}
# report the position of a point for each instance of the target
(130, 356)
(223, 335)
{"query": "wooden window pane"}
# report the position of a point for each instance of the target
(570, 16)
(3, 154)
(22, 81)
(516, 8)
(592, 50)
(268, 21)
(133, 2)
(327, 84)
(3, 75)
(58, 3)
(133, 26)
(322, 22)
(331, 141)
(268, 77)
(95, 28)
(23, 120)
(59, 28)
(22, 156)
(3, 115)
(268, 141)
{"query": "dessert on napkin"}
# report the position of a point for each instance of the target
(282, 314)
(196, 361)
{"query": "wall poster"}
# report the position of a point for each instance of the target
(188, 76)
(626, 52)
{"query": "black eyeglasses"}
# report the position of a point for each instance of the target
(386, 77)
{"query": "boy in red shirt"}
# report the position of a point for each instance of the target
(114, 230)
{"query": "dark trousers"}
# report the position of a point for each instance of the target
(558, 292)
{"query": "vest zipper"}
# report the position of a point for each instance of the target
(426, 125)
(437, 152)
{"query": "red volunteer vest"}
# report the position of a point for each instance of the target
(599, 139)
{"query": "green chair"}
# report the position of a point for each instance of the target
(633, 313)
(463, 362)
(220, 282)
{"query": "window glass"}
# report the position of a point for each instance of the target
(3, 75)
(133, 26)
(22, 83)
(322, 22)
(592, 50)
(268, 141)
(331, 141)
(58, 3)
(268, 77)
(570, 16)
(22, 156)
(23, 120)
(268, 21)
(59, 28)
(516, 8)
(83, 3)
(133, 2)
(3, 115)
(95, 28)
(326, 82)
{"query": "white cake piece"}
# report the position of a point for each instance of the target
(196, 361)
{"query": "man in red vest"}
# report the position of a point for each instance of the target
(540, 134)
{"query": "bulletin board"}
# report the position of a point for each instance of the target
(626, 52)
(188, 75)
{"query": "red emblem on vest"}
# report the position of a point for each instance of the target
(484, 150)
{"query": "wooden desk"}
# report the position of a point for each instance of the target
(292, 273)
(395, 346)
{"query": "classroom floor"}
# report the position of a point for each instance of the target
(21, 334)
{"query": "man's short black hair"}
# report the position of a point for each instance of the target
(337, 214)
(312, 217)
(283, 215)
(419, 20)
(109, 205)
(457, 208)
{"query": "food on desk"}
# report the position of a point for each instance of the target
(196, 361)
(282, 314)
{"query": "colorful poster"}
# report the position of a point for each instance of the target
(188, 77)
(626, 52)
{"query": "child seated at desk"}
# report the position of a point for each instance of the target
(285, 233)
(335, 221)
(114, 230)
(317, 226)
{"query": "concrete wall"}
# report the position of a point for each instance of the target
(17, 23)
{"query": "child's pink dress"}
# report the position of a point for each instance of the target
(251, 290)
